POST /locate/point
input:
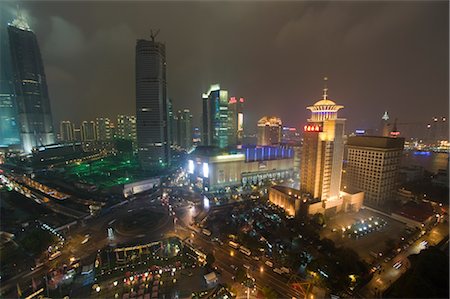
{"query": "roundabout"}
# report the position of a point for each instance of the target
(141, 222)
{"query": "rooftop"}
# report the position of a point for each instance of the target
(416, 211)
(376, 142)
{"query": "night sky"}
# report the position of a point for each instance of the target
(377, 55)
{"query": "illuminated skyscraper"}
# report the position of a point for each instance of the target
(30, 85)
(66, 131)
(269, 130)
(9, 126)
(184, 129)
(322, 152)
(103, 128)
(152, 111)
(236, 121)
(126, 127)
(215, 117)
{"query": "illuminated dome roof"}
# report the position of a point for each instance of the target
(326, 102)
(270, 121)
(324, 108)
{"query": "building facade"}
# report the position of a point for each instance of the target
(323, 151)
(88, 131)
(372, 166)
(126, 127)
(9, 125)
(30, 87)
(152, 111)
(103, 128)
(269, 130)
(184, 129)
(236, 120)
(215, 123)
(66, 131)
(211, 168)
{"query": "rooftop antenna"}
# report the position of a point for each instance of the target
(325, 89)
(153, 35)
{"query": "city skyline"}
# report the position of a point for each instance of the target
(354, 81)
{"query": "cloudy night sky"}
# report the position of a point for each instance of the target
(377, 55)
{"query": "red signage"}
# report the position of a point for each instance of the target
(312, 128)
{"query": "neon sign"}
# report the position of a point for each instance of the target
(312, 128)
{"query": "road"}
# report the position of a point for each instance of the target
(226, 256)
(97, 229)
(387, 275)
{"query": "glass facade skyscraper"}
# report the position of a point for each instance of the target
(30, 86)
(9, 126)
(215, 117)
(152, 111)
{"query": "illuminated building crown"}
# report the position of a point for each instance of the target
(325, 108)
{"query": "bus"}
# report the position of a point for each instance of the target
(206, 232)
(54, 255)
(233, 245)
(245, 251)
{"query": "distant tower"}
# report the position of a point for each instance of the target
(66, 131)
(152, 111)
(394, 132)
(269, 130)
(30, 84)
(215, 123)
(386, 126)
(323, 151)
(236, 119)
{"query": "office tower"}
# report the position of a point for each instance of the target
(372, 166)
(9, 126)
(152, 121)
(172, 121)
(126, 127)
(66, 131)
(103, 128)
(215, 117)
(88, 131)
(184, 129)
(30, 85)
(269, 130)
(322, 152)
(236, 120)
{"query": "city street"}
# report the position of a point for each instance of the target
(383, 278)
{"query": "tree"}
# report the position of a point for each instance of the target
(318, 219)
(327, 245)
(269, 293)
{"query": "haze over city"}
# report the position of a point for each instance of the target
(378, 56)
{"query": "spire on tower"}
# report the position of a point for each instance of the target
(325, 89)
(153, 35)
(395, 132)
